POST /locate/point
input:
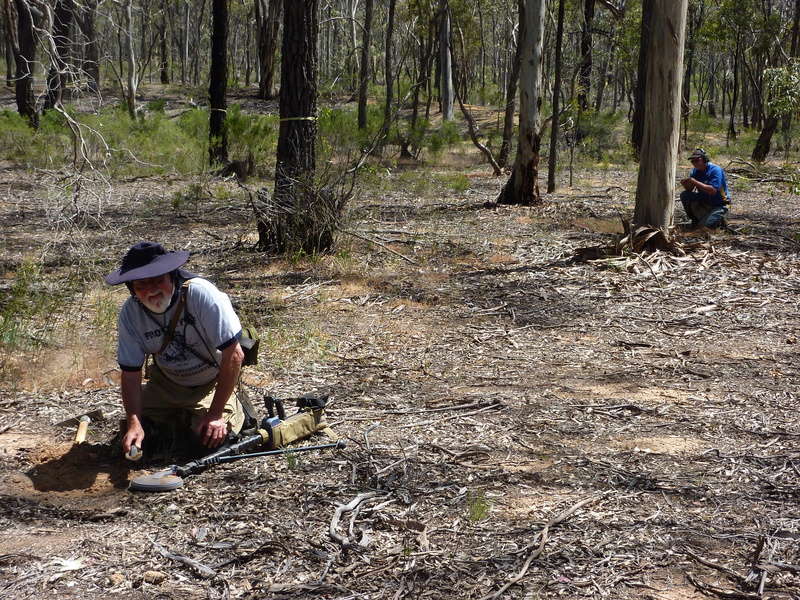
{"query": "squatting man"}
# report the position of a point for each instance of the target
(705, 196)
(192, 380)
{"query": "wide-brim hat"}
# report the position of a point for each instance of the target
(146, 259)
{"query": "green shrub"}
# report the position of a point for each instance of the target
(256, 134)
(600, 132)
(22, 306)
(157, 105)
(16, 136)
(445, 137)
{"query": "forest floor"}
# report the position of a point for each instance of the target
(520, 423)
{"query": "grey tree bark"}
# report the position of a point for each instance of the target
(445, 60)
(132, 75)
(523, 185)
(656, 182)
(268, 14)
(363, 77)
(641, 79)
(552, 158)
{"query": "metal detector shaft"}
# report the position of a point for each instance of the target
(212, 459)
(226, 459)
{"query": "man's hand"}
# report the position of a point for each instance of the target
(133, 436)
(212, 431)
(688, 184)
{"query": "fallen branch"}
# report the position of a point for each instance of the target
(344, 541)
(492, 406)
(729, 572)
(539, 548)
(5, 428)
(707, 588)
(202, 570)
(377, 243)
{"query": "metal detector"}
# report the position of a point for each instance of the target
(171, 478)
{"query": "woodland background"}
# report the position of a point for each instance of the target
(537, 403)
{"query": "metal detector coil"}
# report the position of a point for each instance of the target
(160, 481)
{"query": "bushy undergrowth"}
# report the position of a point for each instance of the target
(153, 144)
(602, 136)
(23, 308)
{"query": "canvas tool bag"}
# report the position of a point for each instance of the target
(306, 422)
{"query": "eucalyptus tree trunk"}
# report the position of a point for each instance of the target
(585, 70)
(764, 142)
(19, 18)
(218, 84)
(132, 75)
(523, 185)
(446, 91)
(185, 53)
(637, 129)
(8, 51)
(268, 15)
(735, 88)
(552, 158)
(389, 69)
(62, 22)
(91, 59)
(363, 76)
(656, 182)
(163, 66)
(298, 217)
(511, 100)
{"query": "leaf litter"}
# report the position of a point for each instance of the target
(531, 427)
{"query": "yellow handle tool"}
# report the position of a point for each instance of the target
(83, 427)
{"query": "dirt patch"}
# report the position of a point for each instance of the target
(600, 225)
(66, 474)
(484, 389)
(659, 445)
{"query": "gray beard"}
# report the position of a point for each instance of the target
(158, 307)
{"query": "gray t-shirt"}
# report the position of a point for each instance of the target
(186, 359)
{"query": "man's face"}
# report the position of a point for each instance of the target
(154, 292)
(698, 163)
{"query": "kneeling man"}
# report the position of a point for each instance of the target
(192, 331)
(705, 196)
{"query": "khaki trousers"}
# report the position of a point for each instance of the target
(164, 401)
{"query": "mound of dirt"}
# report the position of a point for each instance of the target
(65, 473)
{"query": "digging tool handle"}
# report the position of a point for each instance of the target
(83, 428)
(226, 459)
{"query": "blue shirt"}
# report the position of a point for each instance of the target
(715, 177)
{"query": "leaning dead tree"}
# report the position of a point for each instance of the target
(662, 112)
(523, 185)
